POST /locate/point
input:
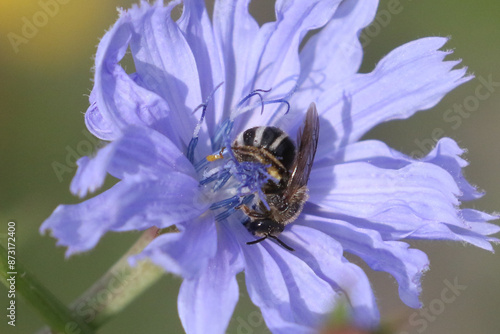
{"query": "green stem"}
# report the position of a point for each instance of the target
(118, 287)
(54, 313)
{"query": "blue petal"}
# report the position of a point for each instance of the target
(132, 204)
(363, 190)
(137, 150)
(111, 49)
(413, 77)
(394, 257)
(291, 296)
(416, 201)
(197, 29)
(186, 253)
(446, 155)
(91, 173)
(206, 302)
(275, 53)
(165, 63)
(267, 57)
(235, 32)
(96, 123)
(324, 254)
(477, 221)
(275, 58)
(119, 99)
(334, 53)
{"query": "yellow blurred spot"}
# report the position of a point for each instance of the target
(53, 32)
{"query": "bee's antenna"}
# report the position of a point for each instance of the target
(256, 241)
(282, 243)
(275, 238)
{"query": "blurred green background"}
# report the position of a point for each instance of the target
(43, 95)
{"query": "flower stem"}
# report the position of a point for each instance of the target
(120, 285)
(53, 311)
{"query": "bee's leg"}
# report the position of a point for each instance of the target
(263, 207)
(249, 212)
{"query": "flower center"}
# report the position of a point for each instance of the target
(230, 183)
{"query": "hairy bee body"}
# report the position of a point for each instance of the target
(290, 167)
(269, 146)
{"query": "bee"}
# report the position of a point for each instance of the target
(289, 167)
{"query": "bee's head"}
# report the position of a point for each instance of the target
(264, 227)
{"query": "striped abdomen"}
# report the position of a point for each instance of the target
(267, 145)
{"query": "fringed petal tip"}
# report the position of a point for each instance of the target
(138, 153)
(135, 203)
(66, 234)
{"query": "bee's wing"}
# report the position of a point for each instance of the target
(307, 142)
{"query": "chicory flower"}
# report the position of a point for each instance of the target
(364, 197)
